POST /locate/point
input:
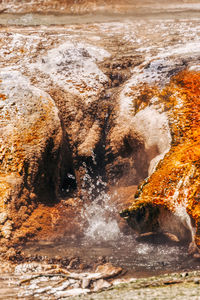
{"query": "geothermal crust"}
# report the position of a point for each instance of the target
(109, 100)
(168, 200)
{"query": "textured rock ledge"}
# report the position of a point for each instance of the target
(31, 139)
(173, 286)
(168, 200)
(34, 279)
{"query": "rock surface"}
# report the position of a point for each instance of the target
(168, 199)
(106, 118)
(32, 142)
(168, 286)
(33, 280)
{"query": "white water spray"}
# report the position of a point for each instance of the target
(99, 213)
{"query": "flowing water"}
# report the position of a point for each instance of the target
(103, 238)
(138, 259)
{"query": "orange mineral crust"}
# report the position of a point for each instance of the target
(176, 180)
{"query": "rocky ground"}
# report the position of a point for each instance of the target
(42, 281)
(173, 286)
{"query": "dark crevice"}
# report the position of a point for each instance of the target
(103, 164)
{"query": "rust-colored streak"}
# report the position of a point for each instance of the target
(3, 97)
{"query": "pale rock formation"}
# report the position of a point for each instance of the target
(73, 66)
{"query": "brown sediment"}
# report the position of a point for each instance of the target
(51, 222)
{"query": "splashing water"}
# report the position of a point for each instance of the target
(101, 226)
(99, 213)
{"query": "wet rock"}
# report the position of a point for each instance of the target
(156, 237)
(158, 204)
(31, 140)
(108, 270)
(76, 83)
(100, 284)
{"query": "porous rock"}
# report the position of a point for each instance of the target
(167, 201)
(100, 284)
(31, 138)
(108, 270)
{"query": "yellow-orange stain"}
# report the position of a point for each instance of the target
(3, 97)
(181, 98)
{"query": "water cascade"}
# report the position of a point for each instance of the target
(98, 213)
